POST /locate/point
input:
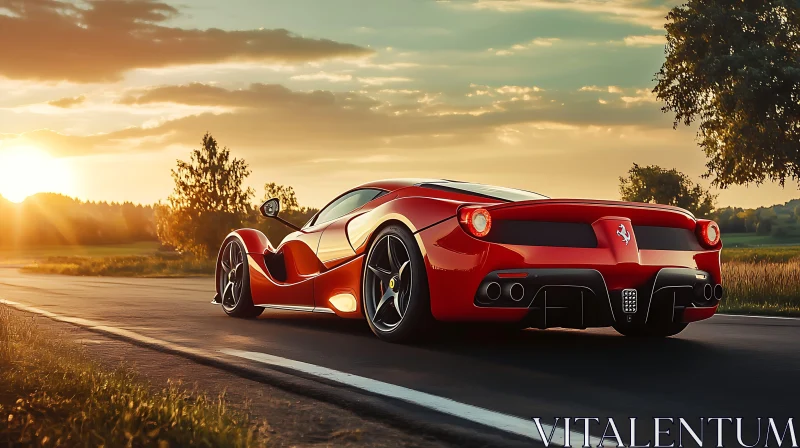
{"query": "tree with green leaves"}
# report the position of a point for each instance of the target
(734, 66)
(750, 217)
(209, 200)
(657, 185)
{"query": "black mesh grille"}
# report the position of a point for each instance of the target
(542, 233)
(665, 238)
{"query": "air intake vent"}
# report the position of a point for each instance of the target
(542, 233)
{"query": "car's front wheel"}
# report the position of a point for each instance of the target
(395, 296)
(234, 281)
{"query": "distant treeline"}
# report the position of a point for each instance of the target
(54, 219)
(778, 220)
(48, 219)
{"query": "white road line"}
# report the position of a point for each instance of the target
(503, 422)
(758, 317)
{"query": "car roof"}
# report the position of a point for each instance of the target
(396, 184)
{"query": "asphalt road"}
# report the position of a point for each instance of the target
(724, 367)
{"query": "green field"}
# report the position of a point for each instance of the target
(23, 255)
(162, 264)
(753, 240)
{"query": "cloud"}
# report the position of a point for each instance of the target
(609, 89)
(324, 76)
(538, 42)
(258, 96)
(640, 96)
(640, 12)
(64, 145)
(274, 122)
(646, 41)
(637, 95)
(67, 102)
(517, 90)
(381, 80)
(58, 40)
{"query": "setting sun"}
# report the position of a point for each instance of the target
(26, 170)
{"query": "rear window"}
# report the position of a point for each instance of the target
(486, 191)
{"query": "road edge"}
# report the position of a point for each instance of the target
(448, 429)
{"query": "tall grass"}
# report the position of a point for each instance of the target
(780, 254)
(51, 394)
(761, 287)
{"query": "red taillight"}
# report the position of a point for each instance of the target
(477, 221)
(708, 233)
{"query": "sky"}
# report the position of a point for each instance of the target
(552, 96)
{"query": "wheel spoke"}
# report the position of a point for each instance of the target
(385, 298)
(390, 254)
(224, 262)
(228, 297)
(402, 269)
(382, 274)
(398, 302)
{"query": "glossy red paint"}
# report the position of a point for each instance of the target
(586, 210)
(457, 263)
(325, 260)
(413, 211)
(513, 275)
(343, 279)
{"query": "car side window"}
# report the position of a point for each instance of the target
(346, 204)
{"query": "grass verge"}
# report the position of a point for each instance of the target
(52, 394)
(28, 254)
(158, 265)
(768, 288)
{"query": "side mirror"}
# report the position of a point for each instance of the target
(271, 208)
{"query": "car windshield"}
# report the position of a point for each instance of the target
(488, 191)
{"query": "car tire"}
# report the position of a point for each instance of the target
(652, 332)
(234, 288)
(413, 321)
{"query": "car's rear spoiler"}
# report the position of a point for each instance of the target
(589, 210)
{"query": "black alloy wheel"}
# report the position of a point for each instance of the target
(395, 289)
(234, 281)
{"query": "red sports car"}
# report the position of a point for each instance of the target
(409, 252)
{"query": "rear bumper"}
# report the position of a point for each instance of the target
(583, 286)
(580, 298)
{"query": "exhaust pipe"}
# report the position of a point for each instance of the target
(515, 291)
(708, 291)
(492, 291)
(718, 291)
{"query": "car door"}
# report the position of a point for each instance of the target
(293, 267)
(334, 248)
